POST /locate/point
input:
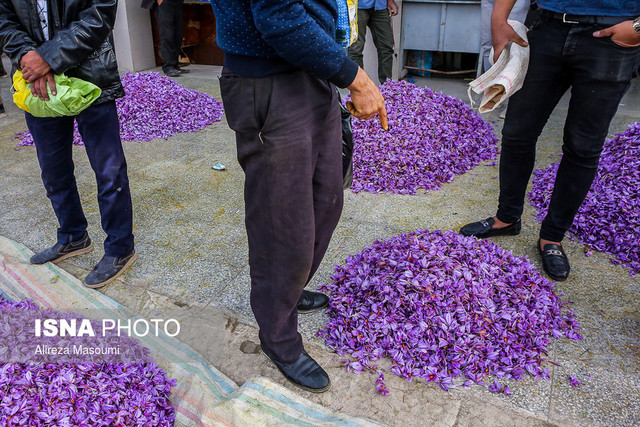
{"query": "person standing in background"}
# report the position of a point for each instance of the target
(169, 18)
(376, 14)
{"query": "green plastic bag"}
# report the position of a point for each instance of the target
(73, 96)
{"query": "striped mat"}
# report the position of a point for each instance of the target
(203, 395)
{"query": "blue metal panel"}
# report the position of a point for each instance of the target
(446, 26)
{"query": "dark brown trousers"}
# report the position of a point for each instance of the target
(288, 135)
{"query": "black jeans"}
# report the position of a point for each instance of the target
(100, 132)
(288, 135)
(598, 72)
(169, 18)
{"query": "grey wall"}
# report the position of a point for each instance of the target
(132, 37)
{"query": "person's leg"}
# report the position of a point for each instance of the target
(528, 111)
(382, 34)
(356, 49)
(601, 74)
(53, 139)
(169, 31)
(100, 132)
(176, 42)
(279, 122)
(327, 179)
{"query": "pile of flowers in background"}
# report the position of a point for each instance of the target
(41, 392)
(156, 107)
(609, 219)
(432, 138)
(443, 306)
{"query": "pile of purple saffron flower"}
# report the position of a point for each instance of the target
(443, 306)
(156, 107)
(57, 394)
(609, 219)
(432, 138)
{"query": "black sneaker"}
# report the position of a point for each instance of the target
(109, 269)
(175, 71)
(59, 252)
(172, 72)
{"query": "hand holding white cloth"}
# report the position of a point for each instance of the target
(506, 76)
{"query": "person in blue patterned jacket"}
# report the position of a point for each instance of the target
(281, 66)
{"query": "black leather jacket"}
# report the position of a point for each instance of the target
(79, 44)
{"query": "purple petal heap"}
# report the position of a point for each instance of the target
(156, 107)
(78, 394)
(441, 306)
(609, 218)
(432, 138)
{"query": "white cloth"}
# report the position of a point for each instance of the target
(43, 17)
(506, 76)
(518, 13)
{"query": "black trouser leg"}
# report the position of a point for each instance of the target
(169, 18)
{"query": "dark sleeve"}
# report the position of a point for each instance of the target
(291, 31)
(16, 40)
(148, 4)
(72, 45)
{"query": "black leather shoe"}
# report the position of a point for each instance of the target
(555, 261)
(312, 301)
(484, 228)
(183, 70)
(108, 269)
(304, 373)
(59, 252)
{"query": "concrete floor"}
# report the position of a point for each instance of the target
(190, 237)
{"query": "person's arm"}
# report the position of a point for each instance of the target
(17, 41)
(622, 34)
(366, 99)
(19, 45)
(301, 41)
(501, 32)
(74, 43)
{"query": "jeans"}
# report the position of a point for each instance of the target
(598, 72)
(288, 136)
(380, 24)
(100, 132)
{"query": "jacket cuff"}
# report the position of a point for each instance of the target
(346, 74)
(52, 57)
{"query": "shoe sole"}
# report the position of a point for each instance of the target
(71, 254)
(311, 310)
(311, 390)
(498, 232)
(115, 276)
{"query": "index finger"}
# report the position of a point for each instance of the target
(383, 117)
